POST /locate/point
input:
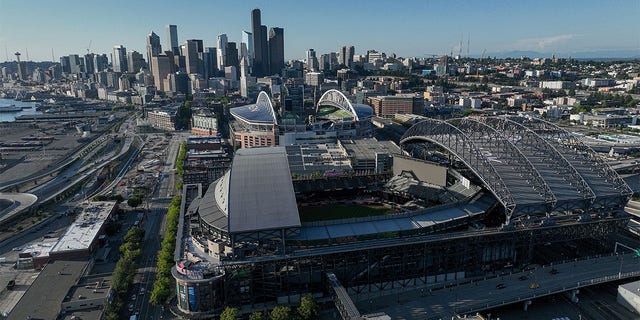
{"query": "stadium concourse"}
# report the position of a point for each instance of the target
(502, 188)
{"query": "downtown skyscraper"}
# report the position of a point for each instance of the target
(221, 52)
(246, 47)
(172, 39)
(260, 50)
(154, 48)
(192, 51)
(119, 59)
(312, 60)
(345, 55)
(276, 50)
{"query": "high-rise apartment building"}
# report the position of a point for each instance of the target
(314, 79)
(172, 39)
(345, 55)
(100, 63)
(324, 63)
(76, 64)
(119, 59)
(312, 60)
(135, 61)
(88, 63)
(65, 64)
(276, 50)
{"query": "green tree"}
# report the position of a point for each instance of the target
(161, 290)
(183, 117)
(116, 197)
(162, 285)
(256, 316)
(229, 314)
(308, 308)
(100, 198)
(280, 313)
(134, 201)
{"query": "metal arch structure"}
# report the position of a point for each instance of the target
(263, 101)
(567, 141)
(543, 153)
(611, 191)
(337, 99)
(530, 165)
(505, 151)
(459, 144)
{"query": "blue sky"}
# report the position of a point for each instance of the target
(407, 28)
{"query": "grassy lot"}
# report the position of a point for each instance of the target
(341, 211)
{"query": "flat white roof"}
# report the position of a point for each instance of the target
(84, 230)
(40, 249)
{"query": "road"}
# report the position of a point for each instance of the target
(154, 222)
(155, 225)
(147, 269)
(167, 183)
(80, 170)
(438, 302)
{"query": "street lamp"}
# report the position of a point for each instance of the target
(620, 270)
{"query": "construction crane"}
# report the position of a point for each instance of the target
(89, 46)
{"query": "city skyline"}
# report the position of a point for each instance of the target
(414, 28)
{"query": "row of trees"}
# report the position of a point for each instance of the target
(308, 310)
(112, 197)
(162, 285)
(181, 157)
(124, 272)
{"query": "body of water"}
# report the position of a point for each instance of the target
(30, 108)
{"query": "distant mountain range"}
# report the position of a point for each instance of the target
(599, 55)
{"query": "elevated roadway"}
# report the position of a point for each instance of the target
(467, 297)
(83, 153)
(18, 202)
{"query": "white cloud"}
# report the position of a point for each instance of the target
(541, 43)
